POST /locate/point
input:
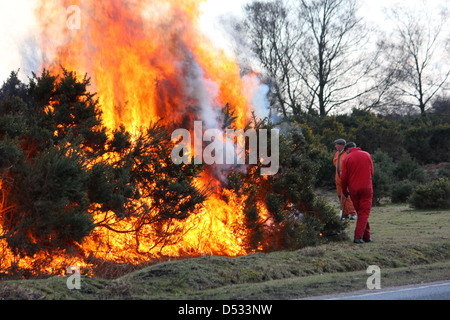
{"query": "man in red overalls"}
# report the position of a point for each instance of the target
(357, 173)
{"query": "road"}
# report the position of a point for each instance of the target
(431, 291)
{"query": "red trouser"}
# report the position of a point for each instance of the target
(362, 202)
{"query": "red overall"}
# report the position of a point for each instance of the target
(357, 173)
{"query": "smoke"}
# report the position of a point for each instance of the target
(18, 45)
(31, 55)
(257, 93)
(223, 27)
(205, 91)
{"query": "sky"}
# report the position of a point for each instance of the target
(18, 29)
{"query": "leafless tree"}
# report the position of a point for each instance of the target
(313, 51)
(417, 57)
(275, 38)
(335, 55)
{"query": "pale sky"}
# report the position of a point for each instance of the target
(18, 28)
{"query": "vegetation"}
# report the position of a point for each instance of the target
(315, 54)
(63, 174)
(59, 169)
(410, 247)
(320, 56)
(407, 151)
(432, 195)
(299, 216)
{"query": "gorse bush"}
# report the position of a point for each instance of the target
(64, 174)
(434, 195)
(419, 175)
(404, 167)
(299, 217)
(401, 191)
(58, 169)
(444, 172)
(428, 142)
(424, 138)
(382, 178)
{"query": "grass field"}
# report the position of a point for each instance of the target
(409, 246)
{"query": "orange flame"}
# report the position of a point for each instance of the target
(149, 60)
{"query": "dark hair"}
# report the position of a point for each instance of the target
(350, 145)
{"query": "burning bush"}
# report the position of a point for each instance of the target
(62, 175)
(293, 216)
(71, 186)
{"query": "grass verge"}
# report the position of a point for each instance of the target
(410, 246)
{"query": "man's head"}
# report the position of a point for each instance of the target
(339, 144)
(349, 146)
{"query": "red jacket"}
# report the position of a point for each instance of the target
(357, 171)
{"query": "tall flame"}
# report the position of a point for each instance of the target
(149, 60)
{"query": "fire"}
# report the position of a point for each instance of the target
(212, 231)
(149, 60)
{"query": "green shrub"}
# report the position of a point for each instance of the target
(419, 175)
(402, 191)
(404, 167)
(435, 195)
(301, 233)
(444, 172)
(382, 177)
(428, 143)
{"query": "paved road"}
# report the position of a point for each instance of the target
(431, 291)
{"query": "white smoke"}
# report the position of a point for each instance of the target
(257, 95)
(205, 91)
(18, 45)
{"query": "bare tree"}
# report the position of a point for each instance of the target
(275, 38)
(313, 51)
(418, 58)
(334, 58)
